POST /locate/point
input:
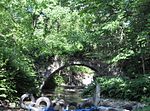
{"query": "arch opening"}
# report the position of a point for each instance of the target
(47, 82)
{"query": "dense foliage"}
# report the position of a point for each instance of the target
(33, 32)
(123, 88)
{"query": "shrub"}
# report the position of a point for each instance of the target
(123, 88)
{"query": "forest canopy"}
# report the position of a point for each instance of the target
(33, 32)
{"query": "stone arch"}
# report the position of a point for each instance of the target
(100, 68)
(46, 82)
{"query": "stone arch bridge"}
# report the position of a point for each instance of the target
(100, 68)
